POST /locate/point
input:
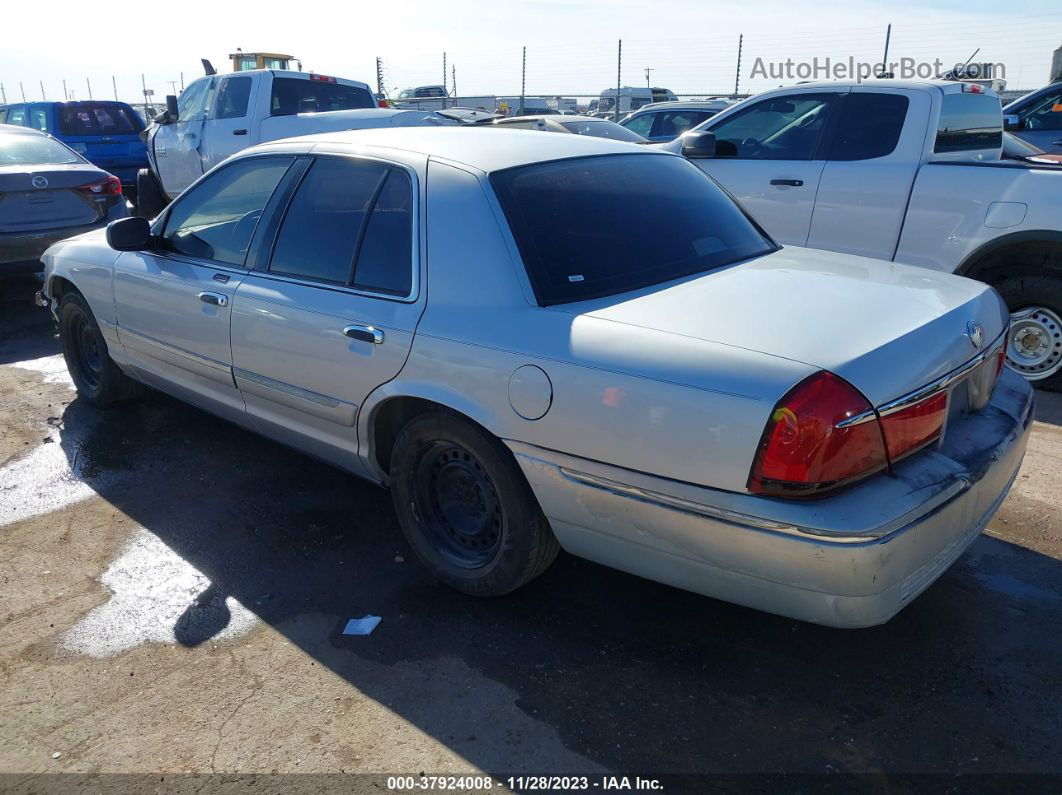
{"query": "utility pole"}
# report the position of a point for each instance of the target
(88, 85)
(66, 95)
(114, 85)
(43, 97)
(143, 86)
(523, 81)
(453, 80)
(21, 89)
(444, 81)
(737, 69)
(182, 82)
(619, 79)
(647, 71)
(173, 85)
(379, 76)
(3, 94)
(885, 57)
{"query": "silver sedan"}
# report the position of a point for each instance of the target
(48, 192)
(558, 341)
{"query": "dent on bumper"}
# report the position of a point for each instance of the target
(853, 560)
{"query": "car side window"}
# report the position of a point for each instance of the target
(641, 124)
(17, 115)
(233, 94)
(191, 105)
(969, 122)
(319, 234)
(39, 119)
(349, 223)
(1045, 113)
(869, 126)
(216, 219)
(674, 123)
(783, 128)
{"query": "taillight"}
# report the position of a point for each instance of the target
(822, 434)
(111, 186)
(913, 427)
(1001, 359)
(383, 103)
(323, 78)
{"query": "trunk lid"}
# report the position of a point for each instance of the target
(887, 329)
(29, 207)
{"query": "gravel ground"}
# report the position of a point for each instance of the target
(174, 591)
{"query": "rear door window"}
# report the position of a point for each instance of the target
(17, 115)
(293, 95)
(869, 126)
(39, 118)
(233, 94)
(98, 118)
(782, 128)
(673, 123)
(217, 218)
(969, 122)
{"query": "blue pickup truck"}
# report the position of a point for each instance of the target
(106, 133)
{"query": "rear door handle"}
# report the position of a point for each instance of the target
(793, 183)
(239, 132)
(364, 333)
(214, 299)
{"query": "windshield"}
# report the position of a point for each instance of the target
(98, 118)
(593, 226)
(602, 129)
(20, 150)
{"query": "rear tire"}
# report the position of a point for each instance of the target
(1034, 341)
(150, 198)
(466, 508)
(97, 378)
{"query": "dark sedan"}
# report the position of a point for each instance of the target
(48, 192)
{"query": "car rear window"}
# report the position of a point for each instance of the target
(293, 95)
(98, 118)
(19, 150)
(595, 226)
(969, 122)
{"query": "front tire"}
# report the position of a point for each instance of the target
(97, 378)
(1034, 340)
(466, 508)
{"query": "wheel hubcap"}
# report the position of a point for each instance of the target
(458, 505)
(1034, 346)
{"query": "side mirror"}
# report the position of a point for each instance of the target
(129, 234)
(698, 144)
(171, 107)
(1012, 121)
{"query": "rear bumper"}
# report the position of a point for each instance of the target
(20, 252)
(853, 560)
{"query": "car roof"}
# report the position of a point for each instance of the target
(531, 116)
(14, 129)
(947, 86)
(486, 150)
(694, 104)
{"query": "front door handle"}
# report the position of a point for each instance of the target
(239, 132)
(364, 333)
(793, 183)
(214, 299)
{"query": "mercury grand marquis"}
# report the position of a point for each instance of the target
(545, 341)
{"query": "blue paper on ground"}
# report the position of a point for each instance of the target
(361, 626)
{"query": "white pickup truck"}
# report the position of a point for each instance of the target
(219, 115)
(903, 171)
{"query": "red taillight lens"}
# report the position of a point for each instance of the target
(323, 78)
(112, 186)
(1001, 359)
(913, 427)
(807, 448)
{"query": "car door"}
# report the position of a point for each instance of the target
(177, 145)
(769, 156)
(329, 312)
(1041, 121)
(173, 302)
(874, 152)
(227, 126)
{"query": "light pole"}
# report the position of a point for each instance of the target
(647, 71)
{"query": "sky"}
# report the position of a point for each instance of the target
(690, 45)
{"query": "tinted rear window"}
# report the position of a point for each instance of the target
(98, 118)
(969, 121)
(18, 150)
(294, 95)
(596, 226)
(870, 126)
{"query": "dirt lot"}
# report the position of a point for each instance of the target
(174, 591)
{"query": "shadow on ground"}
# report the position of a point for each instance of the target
(631, 674)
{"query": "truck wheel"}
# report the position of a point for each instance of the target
(466, 508)
(97, 378)
(150, 198)
(1034, 341)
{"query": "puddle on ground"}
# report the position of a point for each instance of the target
(53, 368)
(156, 597)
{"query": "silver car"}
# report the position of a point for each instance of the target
(477, 320)
(48, 192)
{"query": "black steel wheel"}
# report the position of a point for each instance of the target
(97, 378)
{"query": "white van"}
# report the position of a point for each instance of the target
(631, 98)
